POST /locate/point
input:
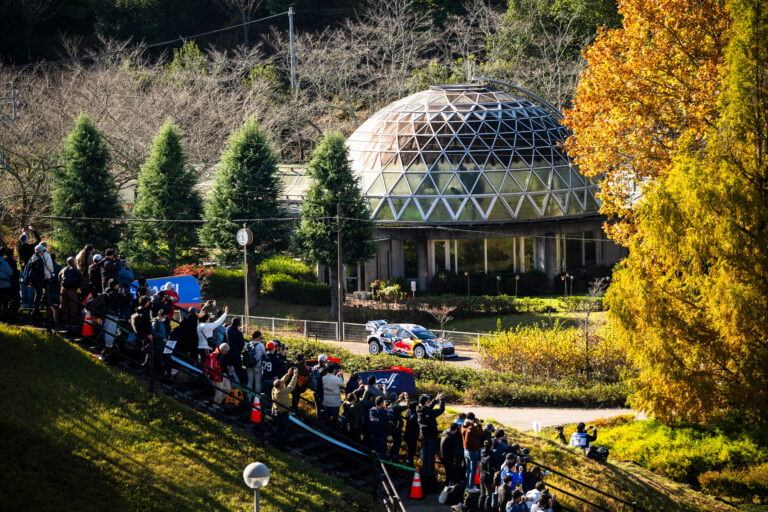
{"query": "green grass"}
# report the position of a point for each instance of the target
(622, 479)
(489, 324)
(78, 435)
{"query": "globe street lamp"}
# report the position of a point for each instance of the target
(256, 476)
(466, 274)
(517, 278)
(571, 284)
(498, 285)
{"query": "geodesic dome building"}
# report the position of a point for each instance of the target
(472, 179)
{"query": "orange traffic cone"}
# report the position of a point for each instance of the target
(88, 324)
(256, 411)
(477, 476)
(416, 493)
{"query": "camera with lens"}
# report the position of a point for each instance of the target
(525, 456)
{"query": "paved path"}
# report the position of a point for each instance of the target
(466, 357)
(522, 418)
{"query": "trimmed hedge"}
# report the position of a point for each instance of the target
(286, 288)
(224, 282)
(150, 271)
(287, 266)
(483, 387)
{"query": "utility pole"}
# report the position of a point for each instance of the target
(340, 273)
(293, 52)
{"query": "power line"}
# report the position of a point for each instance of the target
(181, 39)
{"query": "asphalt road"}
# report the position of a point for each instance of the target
(466, 357)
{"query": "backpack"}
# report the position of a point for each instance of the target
(249, 356)
(34, 271)
(70, 280)
(301, 380)
(598, 453)
(315, 380)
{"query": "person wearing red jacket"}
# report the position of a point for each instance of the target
(471, 436)
(170, 291)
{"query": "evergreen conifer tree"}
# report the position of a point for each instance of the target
(164, 190)
(333, 183)
(246, 186)
(83, 187)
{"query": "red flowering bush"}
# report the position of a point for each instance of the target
(193, 270)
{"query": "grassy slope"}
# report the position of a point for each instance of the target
(78, 435)
(624, 480)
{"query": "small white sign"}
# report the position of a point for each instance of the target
(413, 286)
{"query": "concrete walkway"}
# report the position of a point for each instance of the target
(522, 418)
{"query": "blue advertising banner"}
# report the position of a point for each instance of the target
(186, 287)
(397, 381)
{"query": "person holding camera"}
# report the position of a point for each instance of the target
(333, 385)
(430, 440)
(582, 438)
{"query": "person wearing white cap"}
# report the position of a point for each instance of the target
(47, 260)
(170, 292)
(220, 380)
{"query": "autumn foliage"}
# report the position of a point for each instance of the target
(691, 301)
(645, 84)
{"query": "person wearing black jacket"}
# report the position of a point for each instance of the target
(236, 343)
(272, 368)
(141, 323)
(411, 431)
(27, 249)
(449, 443)
(487, 469)
(109, 268)
(302, 380)
(429, 437)
(94, 276)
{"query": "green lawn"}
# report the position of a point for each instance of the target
(78, 435)
(489, 324)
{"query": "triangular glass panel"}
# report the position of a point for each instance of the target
(591, 204)
(504, 142)
(442, 128)
(468, 179)
(440, 214)
(577, 180)
(390, 178)
(513, 202)
(430, 157)
(539, 200)
(385, 212)
(574, 206)
(483, 186)
(373, 203)
(466, 164)
(544, 175)
(521, 177)
(426, 203)
(427, 187)
(389, 162)
(417, 165)
(494, 163)
(407, 158)
(510, 186)
(470, 213)
(552, 209)
(535, 184)
(518, 163)
(504, 156)
(454, 187)
(526, 155)
(378, 188)
(414, 179)
(495, 178)
(498, 211)
(558, 183)
(406, 143)
(442, 165)
(397, 204)
(410, 212)
(427, 143)
(483, 203)
(454, 204)
(401, 188)
(527, 210)
(561, 198)
(444, 140)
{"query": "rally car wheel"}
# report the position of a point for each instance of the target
(419, 352)
(374, 347)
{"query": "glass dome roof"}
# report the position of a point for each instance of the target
(467, 153)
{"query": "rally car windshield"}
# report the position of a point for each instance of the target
(424, 335)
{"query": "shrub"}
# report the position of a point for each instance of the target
(223, 282)
(444, 282)
(683, 453)
(534, 282)
(298, 270)
(286, 288)
(580, 304)
(744, 485)
(150, 271)
(553, 353)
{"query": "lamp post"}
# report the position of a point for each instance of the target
(571, 284)
(466, 274)
(517, 279)
(565, 284)
(256, 476)
(498, 285)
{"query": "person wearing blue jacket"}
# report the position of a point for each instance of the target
(379, 420)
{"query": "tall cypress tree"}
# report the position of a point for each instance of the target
(83, 187)
(165, 190)
(333, 183)
(247, 186)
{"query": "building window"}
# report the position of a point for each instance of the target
(590, 249)
(471, 255)
(501, 254)
(410, 260)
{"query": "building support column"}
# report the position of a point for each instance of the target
(430, 258)
(485, 255)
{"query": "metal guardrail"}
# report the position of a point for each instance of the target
(329, 331)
